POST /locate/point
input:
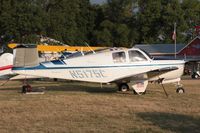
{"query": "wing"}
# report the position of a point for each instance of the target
(158, 72)
(146, 75)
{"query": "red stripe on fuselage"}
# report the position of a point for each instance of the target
(6, 67)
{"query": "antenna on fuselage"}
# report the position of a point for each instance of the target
(82, 51)
(90, 47)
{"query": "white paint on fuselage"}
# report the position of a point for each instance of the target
(99, 67)
(6, 63)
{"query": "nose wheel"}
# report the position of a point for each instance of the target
(180, 88)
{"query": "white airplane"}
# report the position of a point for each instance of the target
(6, 64)
(128, 68)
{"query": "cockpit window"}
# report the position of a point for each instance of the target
(135, 56)
(119, 57)
(147, 54)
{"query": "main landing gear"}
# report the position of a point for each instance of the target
(123, 87)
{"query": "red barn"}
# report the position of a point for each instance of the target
(192, 49)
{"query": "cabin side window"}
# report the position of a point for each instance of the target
(135, 56)
(119, 57)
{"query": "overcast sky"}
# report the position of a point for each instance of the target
(97, 1)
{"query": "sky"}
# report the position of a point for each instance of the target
(97, 1)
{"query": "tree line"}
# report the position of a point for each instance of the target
(114, 23)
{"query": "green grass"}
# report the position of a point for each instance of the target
(85, 107)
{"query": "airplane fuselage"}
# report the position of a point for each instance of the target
(104, 67)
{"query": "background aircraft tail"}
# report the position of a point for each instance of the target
(6, 64)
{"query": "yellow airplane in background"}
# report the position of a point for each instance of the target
(55, 48)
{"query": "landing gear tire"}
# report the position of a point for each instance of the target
(123, 87)
(180, 90)
(196, 76)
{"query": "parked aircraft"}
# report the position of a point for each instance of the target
(6, 64)
(128, 68)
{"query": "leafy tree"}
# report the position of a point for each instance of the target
(7, 21)
(85, 21)
(191, 15)
(70, 21)
(104, 35)
(121, 33)
(29, 20)
(149, 20)
(173, 13)
(157, 20)
(115, 23)
(119, 11)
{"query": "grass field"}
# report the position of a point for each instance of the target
(84, 107)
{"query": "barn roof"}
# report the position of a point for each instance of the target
(196, 38)
(160, 48)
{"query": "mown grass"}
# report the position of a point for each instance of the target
(85, 107)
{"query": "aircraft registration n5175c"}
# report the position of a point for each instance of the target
(128, 68)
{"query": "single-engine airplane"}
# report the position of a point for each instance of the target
(128, 68)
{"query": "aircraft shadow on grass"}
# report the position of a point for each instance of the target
(83, 88)
(71, 87)
(172, 122)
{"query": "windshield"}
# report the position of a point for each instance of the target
(135, 56)
(151, 57)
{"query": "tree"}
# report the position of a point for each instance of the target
(70, 21)
(21, 20)
(119, 11)
(191, 16)
(173, 13)
(121, 33)
(29, 18)
(104, 35)
(7, 20)
(149, 20)
(115, 23)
